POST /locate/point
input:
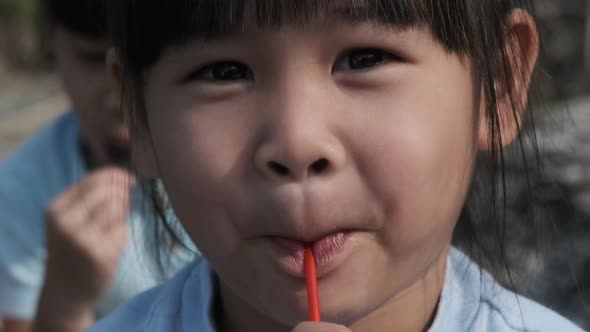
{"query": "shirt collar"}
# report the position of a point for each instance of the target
(197, 298)
(457, 307)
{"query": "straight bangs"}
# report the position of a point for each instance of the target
(146, 28)
(85, 17)
(214, 17)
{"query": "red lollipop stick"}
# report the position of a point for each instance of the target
(312, 285)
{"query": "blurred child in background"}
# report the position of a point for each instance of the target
(67, 255)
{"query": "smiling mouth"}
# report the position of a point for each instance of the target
(328, 251)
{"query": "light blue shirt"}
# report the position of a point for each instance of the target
(44, 166)
(471, 300)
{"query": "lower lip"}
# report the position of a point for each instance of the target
(329, 252)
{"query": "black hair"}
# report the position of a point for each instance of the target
(473, 29)
(85, 17)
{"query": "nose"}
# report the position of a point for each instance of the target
(298, 160)
(298, 144)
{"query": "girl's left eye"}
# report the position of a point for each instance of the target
(365, 58)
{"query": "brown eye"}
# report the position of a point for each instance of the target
(224, 71)
(360, 59)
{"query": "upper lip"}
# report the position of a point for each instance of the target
(312, 238)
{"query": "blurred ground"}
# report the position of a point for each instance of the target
(26, 102)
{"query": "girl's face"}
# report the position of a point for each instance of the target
(356, 138)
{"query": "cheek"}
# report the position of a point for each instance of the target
(200, 154)
(416, 154)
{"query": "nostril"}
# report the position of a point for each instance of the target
(278, 168)
(319, 165)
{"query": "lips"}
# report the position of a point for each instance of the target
(326, 251)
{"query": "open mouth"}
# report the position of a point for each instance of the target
(118, 154)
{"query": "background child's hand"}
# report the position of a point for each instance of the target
(319, 327)
(86, 233)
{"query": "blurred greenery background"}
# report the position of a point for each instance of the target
(20, 42)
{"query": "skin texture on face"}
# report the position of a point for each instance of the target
(86, 81)
(300, 143)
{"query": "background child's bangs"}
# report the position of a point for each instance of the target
(87, 18)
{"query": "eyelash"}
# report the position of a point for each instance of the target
(384, 57)
(244, 73)
(207, 72)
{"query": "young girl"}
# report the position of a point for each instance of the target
(351, 126)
